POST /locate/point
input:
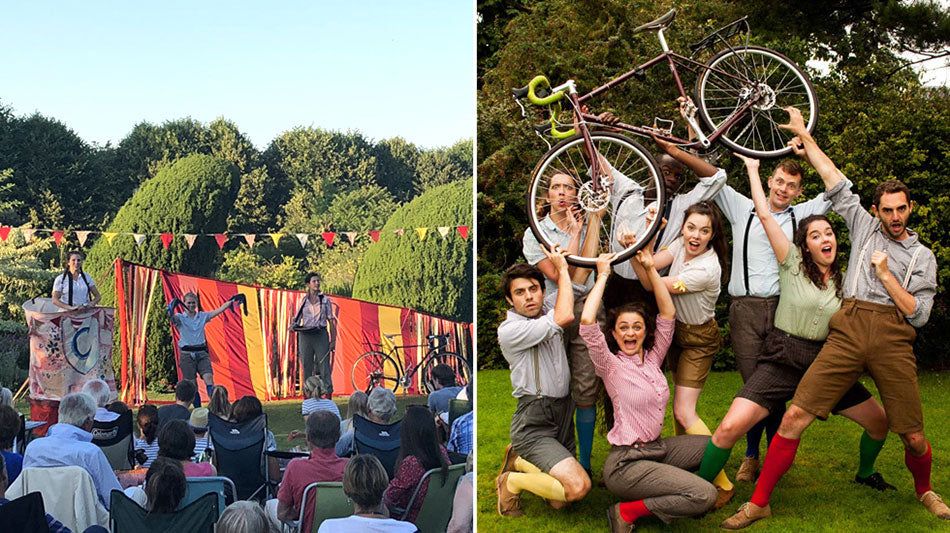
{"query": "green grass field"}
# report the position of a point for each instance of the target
(817, 494)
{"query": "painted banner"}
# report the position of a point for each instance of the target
(253, 353)
(67, 349)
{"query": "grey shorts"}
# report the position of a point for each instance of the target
(542, 430)
(189, 361)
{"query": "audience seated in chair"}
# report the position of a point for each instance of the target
(176, 441)
(9, 427)
(99, 390)
(147, 422)
(313, 390)
(243, 517)
(69, 443)
(357, 405)
(219, 405)
(323, 431)
(185, 391)
(419, 451)
(460, 438)
(445, 388)
(364, 482)
(249, 408)
(381, 406)
(164, 487)
(199, 425)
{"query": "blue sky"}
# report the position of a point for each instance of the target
(384, 68)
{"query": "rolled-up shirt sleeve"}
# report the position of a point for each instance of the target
(923, 286)
(847, 204)
(662, 339)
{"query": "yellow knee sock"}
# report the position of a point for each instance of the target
(699, 428)
(524, 466)
(541, 484)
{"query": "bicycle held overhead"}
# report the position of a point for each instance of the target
(741, 93)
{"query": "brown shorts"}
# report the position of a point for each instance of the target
(691, 354)
(189, 362)
(542, 430)
(872, 337)
(583, 378)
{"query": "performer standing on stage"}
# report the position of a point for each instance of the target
(74, 289)
(314, 343)
(192, 343)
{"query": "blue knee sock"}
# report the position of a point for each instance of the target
(197, 402)
(210, 389)
(752, 439)
(584, 421)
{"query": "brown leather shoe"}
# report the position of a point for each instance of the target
(748, 470)
(617, 523)
(935, 505)
(509, 503)
(723, 496)
(509, 464)
(747, 514)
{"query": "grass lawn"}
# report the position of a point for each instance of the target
(282, 416)
(817, 494)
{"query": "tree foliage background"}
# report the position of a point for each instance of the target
(185, 176)
(876, 120)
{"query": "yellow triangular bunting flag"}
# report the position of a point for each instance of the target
(275, 237)
(110, 236)
(422, 233)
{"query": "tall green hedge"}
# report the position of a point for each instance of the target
(193, 195)
(432, 275)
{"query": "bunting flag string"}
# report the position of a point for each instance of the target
(168, 238)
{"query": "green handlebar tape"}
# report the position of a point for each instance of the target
(534, 99)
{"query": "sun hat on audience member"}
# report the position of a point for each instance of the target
(199, 419)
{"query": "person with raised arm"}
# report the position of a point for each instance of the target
(810, 282)
(649, 474)
(888, 291)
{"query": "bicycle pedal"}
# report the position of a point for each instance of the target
(662, 126)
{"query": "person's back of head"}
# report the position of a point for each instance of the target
(6, 397)
(99, 390)
(365, 480)
(247, 408)
(176, 440)
(185, 390)
(118, 407)
(220, 404)
(444, 375)
(323, 429)
(77, 409)
(313, 387)
(420, 439)
(382, 404)
(165, 485)
(357, 404)
(243, 517)
(147, 420)
(9, 426)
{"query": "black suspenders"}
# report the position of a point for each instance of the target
(745, 245)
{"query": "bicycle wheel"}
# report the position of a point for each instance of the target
(374, 369)
(463, 372)
(561, 181)
(730, 80)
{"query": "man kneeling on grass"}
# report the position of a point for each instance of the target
(540, 458)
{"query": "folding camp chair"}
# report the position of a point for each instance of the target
(327, 500)
(199, 486)
(25, 514)
(437, 503)
(458, 408)
(239, 451)
(68, 492)
(116, 440)
(381, 440)
(199, 516)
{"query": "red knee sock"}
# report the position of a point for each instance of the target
(778, 460)
(919, 466)
(631, 511)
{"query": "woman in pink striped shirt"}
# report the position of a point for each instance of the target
(649, 474)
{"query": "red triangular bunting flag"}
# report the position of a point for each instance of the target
(4, 232)
(167, 239)
(374, 234)
(328, 237)
(220, 238)
(463, 231)
(58, 236)
(82, 236)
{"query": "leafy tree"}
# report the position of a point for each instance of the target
(25, 273)
(397, 166)
(434, 275)
(444, 165)
(362, 209)
(193, 195)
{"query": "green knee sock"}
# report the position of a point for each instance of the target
(870, 449)
(714, 458)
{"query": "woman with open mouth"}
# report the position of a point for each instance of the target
(649, 474)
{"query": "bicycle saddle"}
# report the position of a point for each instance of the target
(393, 336)
(657, 24)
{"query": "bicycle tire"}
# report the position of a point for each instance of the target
(463, 371)
(374, 369)
(633, 162)
(717, 98)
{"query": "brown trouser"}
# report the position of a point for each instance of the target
(657, 473)
(691, 355)
(583, 378)
(873, 337)
(750, 320)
